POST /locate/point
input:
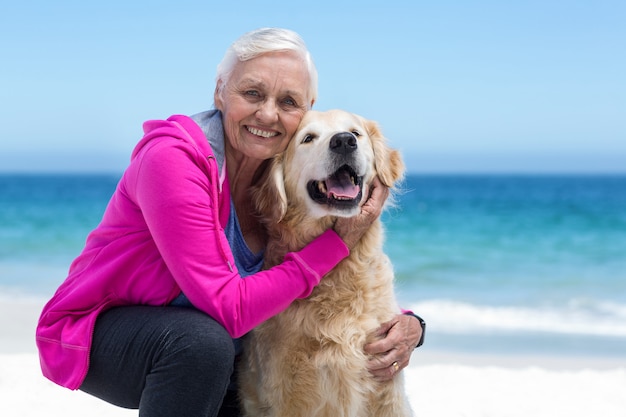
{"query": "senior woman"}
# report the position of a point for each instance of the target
(150, 313)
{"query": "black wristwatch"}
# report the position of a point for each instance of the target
(423, 324)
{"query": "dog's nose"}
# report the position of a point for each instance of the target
(343, 143)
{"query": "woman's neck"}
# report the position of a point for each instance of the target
(243, 174)
(242, 170)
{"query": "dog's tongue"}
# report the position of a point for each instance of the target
(340, 185)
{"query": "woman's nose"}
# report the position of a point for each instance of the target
(268, 111)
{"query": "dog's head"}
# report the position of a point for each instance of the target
(329, 164)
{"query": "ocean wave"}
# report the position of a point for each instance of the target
(575, 317)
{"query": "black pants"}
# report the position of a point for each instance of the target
(164, 361)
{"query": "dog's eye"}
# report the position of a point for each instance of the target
(356, 133)
(308, 138)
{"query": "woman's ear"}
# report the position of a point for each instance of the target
(217, 95)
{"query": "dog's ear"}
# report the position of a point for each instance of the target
(278, 181)
(271, 198)
(388, 162)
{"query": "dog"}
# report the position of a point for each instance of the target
(308, 360)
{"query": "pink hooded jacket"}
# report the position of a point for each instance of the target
(162, 233)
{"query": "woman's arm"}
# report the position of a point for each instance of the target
(179, 205)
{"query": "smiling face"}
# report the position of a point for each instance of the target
(330, 163)
(263, 102)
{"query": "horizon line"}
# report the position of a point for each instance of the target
(103, 172)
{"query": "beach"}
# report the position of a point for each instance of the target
(437, 387)
(521, 280)
(439, 384)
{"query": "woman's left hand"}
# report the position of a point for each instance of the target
(351, 229)
(393, 352)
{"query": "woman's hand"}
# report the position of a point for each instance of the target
(393, 351)
(352, 229)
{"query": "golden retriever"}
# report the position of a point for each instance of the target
(309, 361)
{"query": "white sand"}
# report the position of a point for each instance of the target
(438, 384)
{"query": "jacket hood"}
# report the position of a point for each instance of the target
(204, 131)
(177, 126)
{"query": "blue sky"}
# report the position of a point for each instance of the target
(458, 86)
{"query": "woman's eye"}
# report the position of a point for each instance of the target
(356, 133)
(289, 102)
(252, 93)
(308, 138)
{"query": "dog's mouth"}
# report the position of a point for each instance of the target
(343, 189)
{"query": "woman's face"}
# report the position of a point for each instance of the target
(263, 103)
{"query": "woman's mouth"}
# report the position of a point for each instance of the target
(262, 133)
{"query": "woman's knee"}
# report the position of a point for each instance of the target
(141, 354)
(193, 340)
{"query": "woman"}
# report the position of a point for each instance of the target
(150, 313)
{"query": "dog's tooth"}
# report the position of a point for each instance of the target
(321, 185)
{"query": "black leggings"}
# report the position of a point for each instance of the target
(164, 361)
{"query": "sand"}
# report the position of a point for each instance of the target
(439, 384)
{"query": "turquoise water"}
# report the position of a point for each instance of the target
(511, 239)
(532, 264)
(523, 264)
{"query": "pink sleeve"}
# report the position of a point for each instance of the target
(178, 203)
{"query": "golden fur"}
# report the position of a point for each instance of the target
(309, 361)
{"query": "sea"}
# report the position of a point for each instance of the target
(495, 264)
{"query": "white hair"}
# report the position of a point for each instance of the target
(263, 41)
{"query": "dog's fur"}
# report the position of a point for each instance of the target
(309, 360)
